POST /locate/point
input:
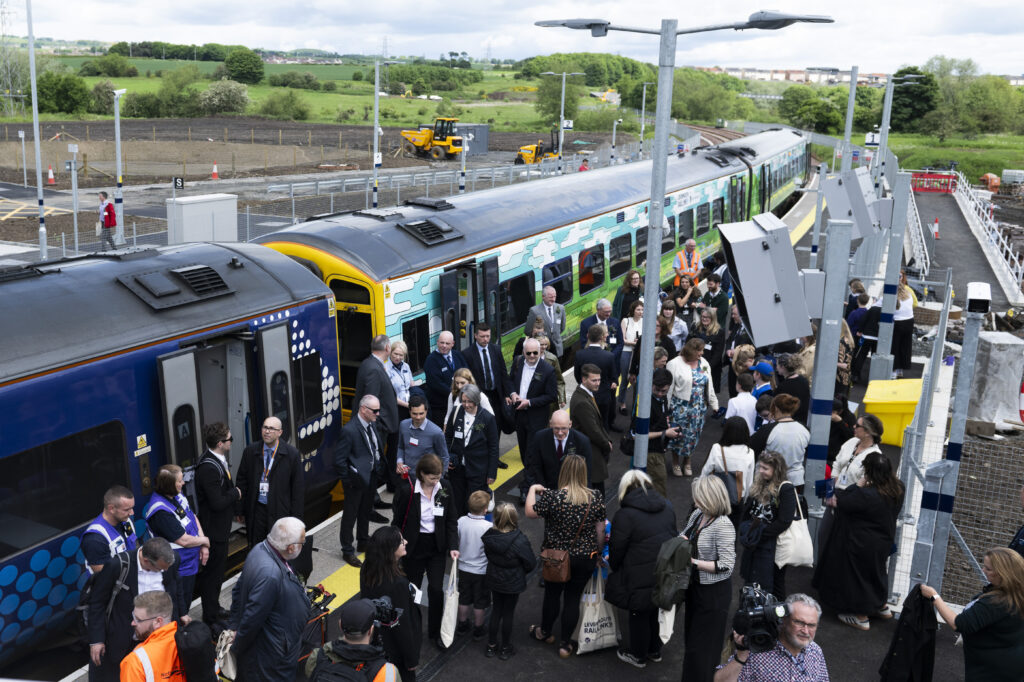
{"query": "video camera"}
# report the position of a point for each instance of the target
(387, 615)
(758, 618)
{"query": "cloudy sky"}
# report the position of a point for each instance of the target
(876, 35)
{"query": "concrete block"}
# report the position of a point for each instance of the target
(995, 393)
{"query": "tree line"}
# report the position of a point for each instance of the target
(156, 49)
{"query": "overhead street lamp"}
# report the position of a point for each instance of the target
(43, 247)
(118, 200)
(377, 132)
(891, 83)
(561, 113)
(643, 117)
(666, 63)
(615, 124)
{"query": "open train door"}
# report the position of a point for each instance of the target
(489, 285)
(274, 350)
(179, 388)
(458, 302)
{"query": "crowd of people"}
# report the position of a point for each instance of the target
(435, 446)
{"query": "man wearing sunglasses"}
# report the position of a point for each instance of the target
(534, 391)
(271, 480)
(359, 462)
(217, 496)
(157, 657)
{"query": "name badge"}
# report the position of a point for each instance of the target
(612, 340)
(417, 594)
(444, 368)
(458, 434)
(264, 488)
(707, 346)
(413, 441)
(438, 511)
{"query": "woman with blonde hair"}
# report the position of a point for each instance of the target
(713, 336)
(574, 519)
(713, 556)
(992, 624)
(769, 509)
(461, 378)
(902, 330)
(691, 395)
(743, 357)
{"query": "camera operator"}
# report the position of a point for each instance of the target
(354, 655)
(794, 657)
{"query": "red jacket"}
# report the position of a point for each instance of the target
(109, 215)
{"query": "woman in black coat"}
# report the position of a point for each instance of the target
(851, 573)
(382, 576)
(768, 510)
(644, 521)
(424, 511)
(509, 559)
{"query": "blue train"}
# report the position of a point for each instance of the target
(111, 364)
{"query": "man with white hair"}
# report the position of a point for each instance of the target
(534, 390)
(269, 606)
(553, 314)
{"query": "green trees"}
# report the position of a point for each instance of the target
(224, 97)
(244, 66)
(112, 65)
(294, 79)
(913, 101)
(102, 102)
(62, 93)
(285, 105)
(549, 98)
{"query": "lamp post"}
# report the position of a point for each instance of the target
(377, 132)
(615, 124)
(24, 164)
(847, 161)
(643, 117)
(768, 20)
(561, 113)
(118, 200)
(43, 250)
(880, 154)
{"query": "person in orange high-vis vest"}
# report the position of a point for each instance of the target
(687, 262)
(157, 657)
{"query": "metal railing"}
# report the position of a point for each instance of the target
(921, 255)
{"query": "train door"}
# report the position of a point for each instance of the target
(224, 385)
(489, 285)
(274, 344)
(733, 214)
(459, 311)
(179, 386)
(354, 320)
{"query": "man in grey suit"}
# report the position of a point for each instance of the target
(357, 460)
(553, 315)
(372, 379)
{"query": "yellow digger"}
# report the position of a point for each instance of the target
(438, 141)
(535, 153)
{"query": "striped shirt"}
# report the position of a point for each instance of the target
(715, 542)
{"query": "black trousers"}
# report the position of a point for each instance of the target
(503, 609)
(704, 621)
(390, 459)
(358, 505)
(260, 525)
(644, 639)
(186, 588)
(758, 566)
(866, 347)
(211, 579)
(462, 487)
(523, 435)
(426, 558)
(902, 343)
(580, 571)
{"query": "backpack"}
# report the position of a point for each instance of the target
(83, 600)
(196, 651)
(671, 573)
(329, 666)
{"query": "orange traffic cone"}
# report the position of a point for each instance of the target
(215, 176)
(49, 176)
(935, 228)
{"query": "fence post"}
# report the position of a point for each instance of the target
(63, 247)
(366, 191)
(332, 202)
(291, 192)
(248, 222)
(135, 235)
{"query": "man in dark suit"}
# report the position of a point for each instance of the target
(472, 438)
(553, 316)
(596, 353)
(271, 480)
(358, 461)
(603, 315)
(150, 567)
(487, 364)
(372, 379)
(587, 419)
(534, 389)
(439, 368)
(217, 497)
(548, 447)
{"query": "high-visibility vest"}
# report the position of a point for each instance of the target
(689, 264)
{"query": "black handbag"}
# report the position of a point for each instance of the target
(626, 444)
(750, 533)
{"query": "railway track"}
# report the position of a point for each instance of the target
(709, 135)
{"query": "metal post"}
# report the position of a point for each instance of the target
(836, 267)
(24, 161)
(376, 124)
(656, 219)
(248, 224)
(847, 150)
(816, 235)
(118, 198)
(73, 148)
(291, 191)
(332, 202)
(561, 125)
(615, 124)
(135, 235)
(43, 251)
(63, 247)
(884, 138)
(462, 173)
(882, 359)
(643, 117)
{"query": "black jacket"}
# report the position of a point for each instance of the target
(480, 454)
(372, 379)
(365, 658)
(606, 362)
(644, 521)
(542, 462)
(502, 385)
(401, 642)
(353, 461)
(798, 387)
(542, 391)
(717, 342)
(911, 655)
(217, 497)
(287, 485)
(406, 516)
(509, 559)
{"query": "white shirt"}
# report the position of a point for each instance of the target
(427, 507)
(471, 549)
(524, 382)
(743, 405)
(467, 426)
(737, 458)
(455, 403)
(222, 459)
(149, 581)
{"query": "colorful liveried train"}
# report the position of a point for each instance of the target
(110, 364)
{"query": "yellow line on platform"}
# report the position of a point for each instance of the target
(802, 228)
(344, 583)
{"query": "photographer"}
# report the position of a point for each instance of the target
(382, 576)
(353, 655)
(794, 657)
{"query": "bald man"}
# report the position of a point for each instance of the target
(439, 368)
(271, 480)
(550, 446)
(553, 314)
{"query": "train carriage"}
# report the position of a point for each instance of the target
(111, 364)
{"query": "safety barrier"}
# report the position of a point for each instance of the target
(919, 248)
(924, 181)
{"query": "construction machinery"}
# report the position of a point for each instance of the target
(438, 142)
(535, 153)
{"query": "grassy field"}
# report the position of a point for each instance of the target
(977, 156)
(143, 65)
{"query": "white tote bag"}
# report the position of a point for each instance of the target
(226, 666)
(666, 623)
(450, 615)
(793, 546)
(598, 628)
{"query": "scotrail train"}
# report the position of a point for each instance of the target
(111, 363)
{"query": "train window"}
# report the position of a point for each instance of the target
(717, 209)
(591, 268)
(559, 275)
(685, 225)
(619, 256)
(350, 292)
(280, 404)
(51, 489)
(641, 246)
(516, 297)
(703, 218)
(184, 424)
(306, 385)
(668, 242)
(416, 334)
(741, 192)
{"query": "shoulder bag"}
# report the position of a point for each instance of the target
(733, 480)
(793, 547)
(555, 562)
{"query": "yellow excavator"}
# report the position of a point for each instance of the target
(535, 153)
(438, 142)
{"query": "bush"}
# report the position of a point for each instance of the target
(344, 115)
(141, 105)
(445, 108)
(244, 66)
(220, 73)
(600, 120)
(102, 101)
(286, 105)
(112, 65)
(62, 93)
(330, 86)
(224, 97)
(294, 79)
(396, 88)
(357, 76)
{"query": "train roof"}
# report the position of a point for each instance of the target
(387, 243)
(67, 311)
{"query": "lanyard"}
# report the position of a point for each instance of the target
(268, 465)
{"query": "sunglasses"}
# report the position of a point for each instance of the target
(227, 440)
(375, 411)
(532, 352)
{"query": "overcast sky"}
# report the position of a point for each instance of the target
(876, 35)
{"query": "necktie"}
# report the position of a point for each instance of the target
(560, 450)
(488, 380)
(451, 365)
(373, 443)
(551, 315)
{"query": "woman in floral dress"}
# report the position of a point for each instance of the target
(691, 397)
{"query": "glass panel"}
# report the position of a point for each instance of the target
(306, 382)
(620, 256)
(703, 218)
(416, 334)
(717, 208)
(350, 292)
(515, 299)
(685, 225)
(668, 242)
(591, 268)
(279, 401)
(184, 424)
(559, 276)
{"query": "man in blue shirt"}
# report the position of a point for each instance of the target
(417, 436)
